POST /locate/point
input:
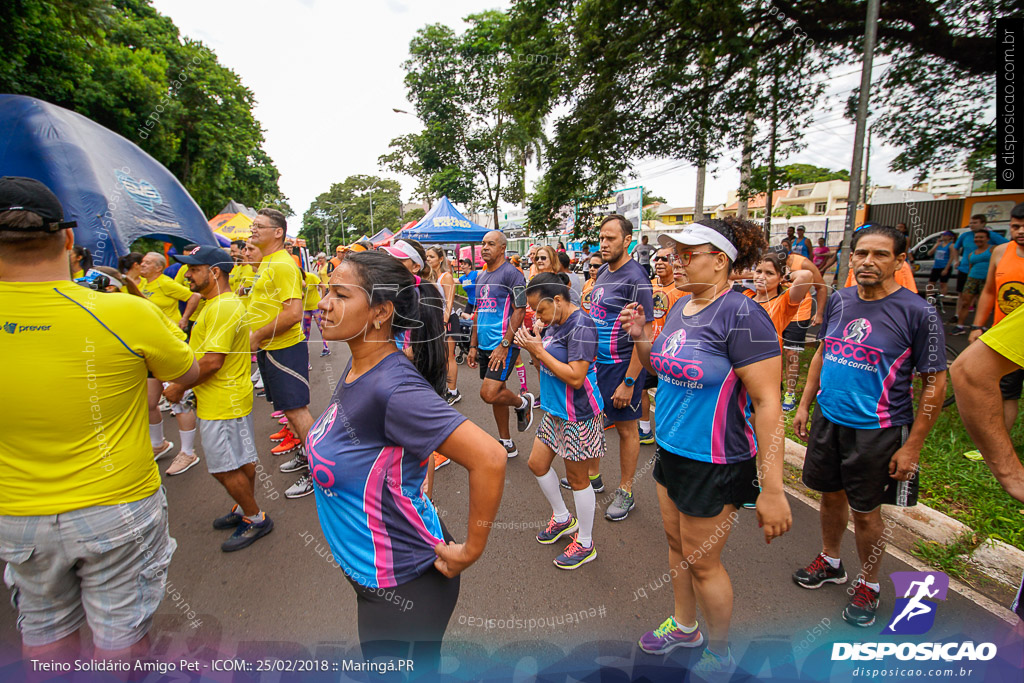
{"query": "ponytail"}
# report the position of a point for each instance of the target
(419, 308)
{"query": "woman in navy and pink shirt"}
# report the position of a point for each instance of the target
(369, 452)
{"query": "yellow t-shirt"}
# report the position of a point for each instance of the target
(278, 279)
(241, 275)
(1007, 338)
(312, 296)
(165, 293)
(222, 329)
(325, 276)
(77, 434)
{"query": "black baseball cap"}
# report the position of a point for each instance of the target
(28, 194)
(207, 256)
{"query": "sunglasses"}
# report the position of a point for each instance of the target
(660, 259)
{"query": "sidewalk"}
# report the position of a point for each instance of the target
(994, 559)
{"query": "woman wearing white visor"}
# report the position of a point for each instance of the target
(720, 429)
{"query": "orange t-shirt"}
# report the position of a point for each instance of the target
(781, 309)
(1009, 276)
(664, 298)
(904, 278)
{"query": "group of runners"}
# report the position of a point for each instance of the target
(713, 351)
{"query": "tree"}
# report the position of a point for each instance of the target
(654, 198)
(471, 149)
(414, 215)
(793, 174)
(404, 158)
(123, 64)
(790, 211)
(344, 210)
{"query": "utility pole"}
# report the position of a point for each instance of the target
(698, 209)
(867, 169)
(746, 161)
(341, 211)
(771, 163)
(370, 188)
(870, 33)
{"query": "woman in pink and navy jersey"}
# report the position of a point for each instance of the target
(369, 452)
(719, 431)
(573, 426)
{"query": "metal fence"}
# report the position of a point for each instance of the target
(923, 218)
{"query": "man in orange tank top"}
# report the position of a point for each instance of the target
(1003, 293)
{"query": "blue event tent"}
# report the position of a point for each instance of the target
(115, 191)
(444, 223)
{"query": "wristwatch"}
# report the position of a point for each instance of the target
(629, 381)
(505, 343)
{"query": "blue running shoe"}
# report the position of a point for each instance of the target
(230, 520)
(647, 437)
(247, 533)
(555, 530)
(575, 555)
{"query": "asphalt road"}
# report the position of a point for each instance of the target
(281, 597)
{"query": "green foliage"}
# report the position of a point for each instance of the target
(123, 64)
(414, 215)
(790, 211)
(652, 198)
(351, 199)
(792, 174)
(472, 148)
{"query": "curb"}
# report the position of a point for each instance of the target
(997, 560)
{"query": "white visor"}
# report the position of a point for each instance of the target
(403, 250)
(696, 234)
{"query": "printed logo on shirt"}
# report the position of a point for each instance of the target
(597, 311)
(684, 372)
(1010, 296)
(484, 301)
(12, 328)
(585, 301)
(850, 350)
(322, 475)
(660, 304)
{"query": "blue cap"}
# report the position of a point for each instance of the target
(207, 256)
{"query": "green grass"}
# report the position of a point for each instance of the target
(950, 483)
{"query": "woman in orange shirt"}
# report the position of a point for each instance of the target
(781, 303)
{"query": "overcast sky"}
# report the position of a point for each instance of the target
(327, 74)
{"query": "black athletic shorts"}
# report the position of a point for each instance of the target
(961, 280)
(651, 382)
(703, 489)
(484, 357)
(1011, 384)
(285, 375)
(857, 461)
(794, 336)
(453, 328)
(938, 276)
(407, 621)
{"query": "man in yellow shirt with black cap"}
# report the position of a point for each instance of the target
(83, 518)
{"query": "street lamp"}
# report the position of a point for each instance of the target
(370, 188)
(341, 211)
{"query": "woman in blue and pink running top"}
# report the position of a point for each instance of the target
(368, 456)
(573, 426)
(719, 429)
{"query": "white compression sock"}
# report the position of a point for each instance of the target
(831, 560)
(645, 425)
(156, 434)
(549, 486)
(586, 502)
(188, 441)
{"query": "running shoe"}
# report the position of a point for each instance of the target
(440, 461)
(286, 446)
(510, 448)
(299, 462)
(454, 397)
(712, 667)
(647, 437)
(668, 637)
(258, 386)
(165, 451)
(524, 415)
(325, 352)
(247, 532)
(555, 530)
(536, 401)
(608, 424)
(620, 506)
(277, 415)
(575, 555)
(596, 483)
(788, 401)
(303, 487)
(230, 520)
(281, 434)
(309, 367)
(260, 392)
(164, 405)
(860, 611)
(819, 572)
(182, 463)
(282, 421)
(959, 329)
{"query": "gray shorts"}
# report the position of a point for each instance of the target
(228, 444)
(105, 564)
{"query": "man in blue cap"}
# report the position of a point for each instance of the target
(220, 339)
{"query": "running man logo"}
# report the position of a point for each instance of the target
(857, 330)
(914, 613)
(674, 343)
(1010, 296)
(10, 328)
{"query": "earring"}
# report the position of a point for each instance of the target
(376, 324)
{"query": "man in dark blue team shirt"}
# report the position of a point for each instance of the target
(500, 309)
(865, 440)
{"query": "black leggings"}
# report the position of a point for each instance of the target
(407, 621)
